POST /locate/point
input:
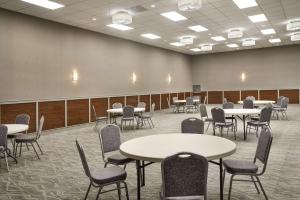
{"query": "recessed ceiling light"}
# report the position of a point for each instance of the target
(187, 39)
(268, 31)
(120, 27)
(218, 38)
(248, 42)
(275, 40)
(45, 3)
(94, 19)
(174, 16)
(150, 36)
(245, 3)
(232, 45)
(198, 28)
(177, 44)
(195, 49)
(293, 25)
(258, 18)
(295, 36)
(235, 33)
(122, 17)
(206, 47)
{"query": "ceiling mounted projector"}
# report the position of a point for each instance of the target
(122, 17)
(189, 5)
(295, 36)
(248, 42)
(186, 40)
(293, 25)
(206, 47)
(235, 33)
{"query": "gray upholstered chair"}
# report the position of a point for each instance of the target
(248, 104)
(128, 116)
(264, 120)
(192, 125)
(110, 141)
(20, 119)
(100, 178)
(282, 109)
(197, 102)
(3, 143)
(220, 122)
(251, 98)
(184, 176)
(177, 105)
(30, 139)
(98, 119)
(147, 117)
(204, 116)
(249, 168)
(189, 105)
(230, 105)
(141, 104)
(114, 116)
(278, 102)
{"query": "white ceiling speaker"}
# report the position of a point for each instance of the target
(186, 40)
(122, 17)
(189, 5)
(248, 42)
(295, 36)
(206, 47)
(293, 25)
(235, 33)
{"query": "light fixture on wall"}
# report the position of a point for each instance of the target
(133, 77)
(122, 17)
(189, 5)
(74, 75)
(243, 77)
(169, 79)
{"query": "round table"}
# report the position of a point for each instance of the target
(184, 101)
(259, 102)
(15, 128)
(118, 111)
(155, 148)
(181, 102)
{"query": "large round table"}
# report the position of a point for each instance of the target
(155, 148)
(259, 102)
(15, 128)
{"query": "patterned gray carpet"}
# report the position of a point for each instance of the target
(59, 173)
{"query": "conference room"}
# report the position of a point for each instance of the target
(149, 99)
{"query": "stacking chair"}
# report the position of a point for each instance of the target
(189, 106)
(100, 178)
(251, 98)
(184, 176)
(115, 116)
(197, 102)
(147, 117)
(192, 125)
(282, 109)
(230, 105)
(171, 106)
(264, 120)
(248, 104)
(20, 119)
(98, 120)
(204, 116)
(30, 139)
(138, 115)
(248, 168)
(278, 102)
(128, 116)
(110, 141)
(3, 144)
(220, 122)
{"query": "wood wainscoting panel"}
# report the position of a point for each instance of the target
(215, 97)
(232, 96)
(187, 94)
(292, 94)
(54, 113)
(77, 111)
(155, 98)
(171, 97)
(146, 99)
(268, 95)
(164, 100)
(181, 95)
(246, 93)
(113, 100)
(132, 100)
(10, 111)
(101, 106)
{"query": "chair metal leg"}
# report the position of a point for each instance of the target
(88, 190)
(105, 165)
(255, 185)
(151, 122)
(20, 149)
(126, 190)
(261, 187)
(27, 146)
(224, 174)
(35, 151)
(98, 193)
(5, 155)
(39, 147)
(119, 190)
(230, 187)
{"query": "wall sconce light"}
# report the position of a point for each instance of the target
(243, 77)
(133, 77)
(169, 79)
(75, 76)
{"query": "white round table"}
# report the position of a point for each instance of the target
(118, 111)
(15, 128)
(259, 102)
(184, 101)
(155, 148)
(181, 102)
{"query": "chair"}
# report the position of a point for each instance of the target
(114, 116)
(224, 100)
(220, 122)
(184, 176)
(147, 117)
(197, 101)
(20, 119)
(100, 178)
(30, 139)
(98, 119)
(250, 98)
(278, 102)
(128, 116)
(248, 168)
(204, 116)
(248, 104)
(189, 106)
(177, 105)
(141, 104)
(282, 109)
(110, 141)
(230, 105)
(3, 143)
(171, 106)
(192, 125)
(264, 120)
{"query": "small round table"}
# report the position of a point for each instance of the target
(155, 148)
(259, 102)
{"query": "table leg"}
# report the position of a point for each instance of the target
(244, 124)
(221, 178)
(138, 179)
(143, 176)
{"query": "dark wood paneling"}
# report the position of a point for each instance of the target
(171, 97)
(187, 94)
(215, 97)
(146, 99)
(164, 100)
(54, 113)
(268, 95)
(10, 111)
(292, 94)
(181, 95)
(132, 100)
(101, 106)
(246, 93)
(77, 111)
(113, 100)
(232, 96)
(155, 98)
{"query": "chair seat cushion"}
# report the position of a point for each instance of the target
(227, 124)
(108, 175)
(25, 138)
(119, 159)
(256, 123)
(240, 166)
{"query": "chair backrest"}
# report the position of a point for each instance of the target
(117, 105)
(128, 111)
(224, 100)
(284, 102)
(228, 105)
(40, 127)
(248, 104)
(203, 111)
(3, 136)
(184, 174)
(265, 114)
(218, 115)
(192, 125)
(278, 102)
(141, 104)
(94, 112)
(152, 109)
(83, 159)
(189, 101)
(110, 139)
(23, 119)
(251, 98)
